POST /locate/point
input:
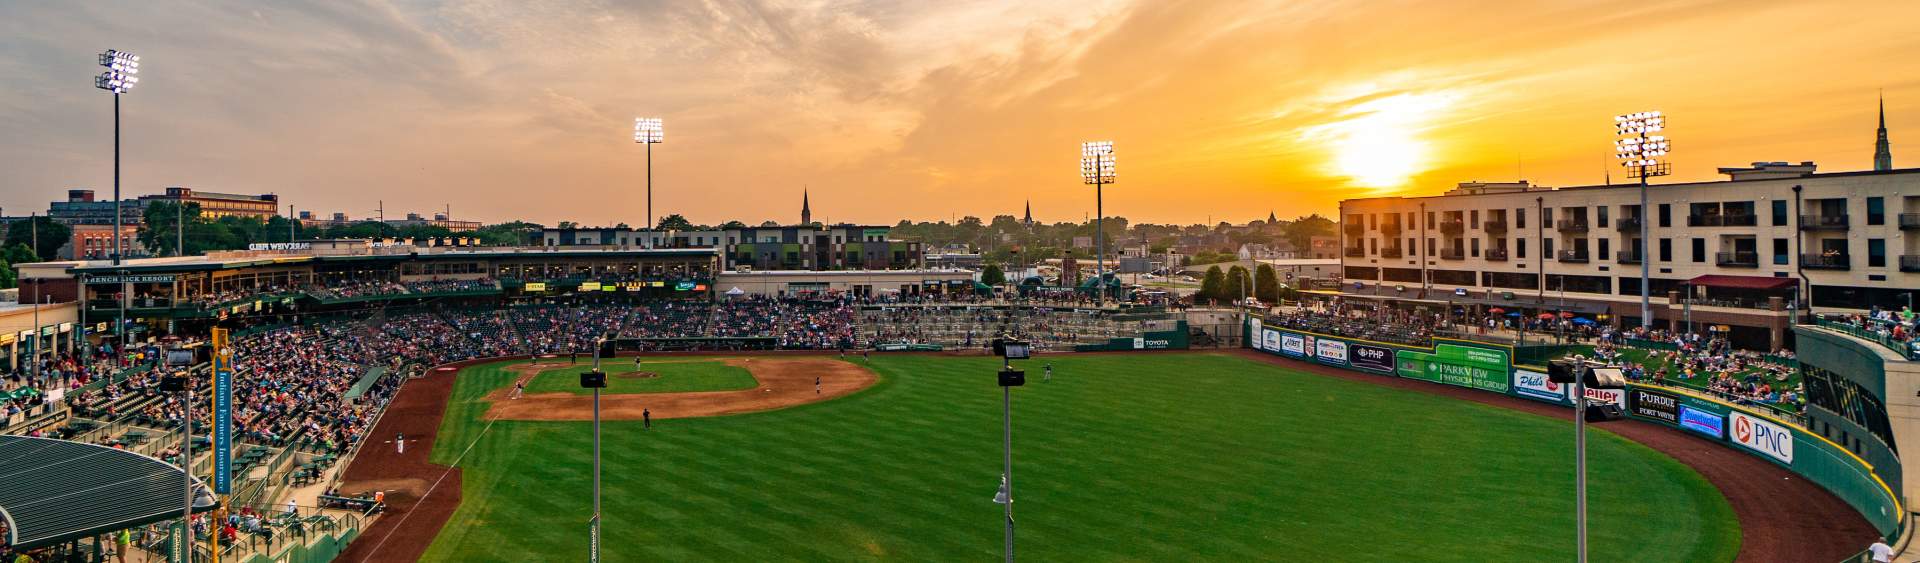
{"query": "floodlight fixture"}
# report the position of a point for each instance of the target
(122, 68)
(648, 130)
(1097, 162)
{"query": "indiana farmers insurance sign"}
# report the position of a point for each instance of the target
(1465, 366)
(1655, 405)
(1761, 436)
(1376, 359)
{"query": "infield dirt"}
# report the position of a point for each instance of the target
(784, 382)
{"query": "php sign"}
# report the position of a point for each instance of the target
(1761, 436)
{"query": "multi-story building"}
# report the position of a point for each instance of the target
(1745, 252)
(80, 208)
(439, 220)
(95, 242)
(216, 205)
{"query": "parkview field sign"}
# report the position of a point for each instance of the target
(1465, 366)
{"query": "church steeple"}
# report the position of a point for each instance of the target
(1028, 219)
(1882, 151)
(806, 213)
(1271, 219)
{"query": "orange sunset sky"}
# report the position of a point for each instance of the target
(927, 110)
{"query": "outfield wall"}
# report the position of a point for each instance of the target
(1489, 367)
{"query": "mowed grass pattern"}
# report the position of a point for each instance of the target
(675, 376)
(1162, 457)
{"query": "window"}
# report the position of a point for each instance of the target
(1520, 248)
(1780, 251)
(1779, 213)
(1430, 219)
(1476, 248)
(1372, 221)
(1546, 216)
(1546, 244)
(1412, 247)
(1876, 211)
(1603, 218)
(1474, 216)
(1603, 247)
(1373, 246)
(1876, 252)
(1520, 218)
(1666, 250)
(1666, 215)
(1699, 249)
(1430, 244)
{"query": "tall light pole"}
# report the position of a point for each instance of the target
(1097, 168)
(1640, 153)
(595, 380)
(649, 131)
(120, 78)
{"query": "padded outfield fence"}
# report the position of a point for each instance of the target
(1490, 367)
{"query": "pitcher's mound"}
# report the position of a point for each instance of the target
(784, 382)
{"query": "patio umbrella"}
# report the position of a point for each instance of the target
(736, 291)
(1546, 316)
(1515, 314)
(1582, 321)
(1566, 315)
(1496, 310)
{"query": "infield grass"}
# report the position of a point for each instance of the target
(672, 376)
(1161, 457)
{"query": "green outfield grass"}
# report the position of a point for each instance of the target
(1156, 457)
(675, 376)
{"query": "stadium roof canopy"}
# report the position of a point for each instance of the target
(54, 491)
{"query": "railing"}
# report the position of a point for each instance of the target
(1452, 227)
(1627, 224)
(1910, 263)
(1910, 220)
(1825, 261)
(1823, 222)
(1737, 259)
(1571, 226)
(1452, 254)
(1494, 225)
(1390, 229)
(1356, 252)
(1886, 340)
(1573, 256)
(1354, 229)
(1496, 255)
(1391, 252)
(1747, 220)
(1624, 257)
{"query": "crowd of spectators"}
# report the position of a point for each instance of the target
(1708, 362)
(1897, 328)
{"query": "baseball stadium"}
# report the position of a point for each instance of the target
(406, 404)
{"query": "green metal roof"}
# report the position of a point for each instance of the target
(54, 491)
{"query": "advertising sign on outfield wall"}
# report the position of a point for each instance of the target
(1702, 421)
(1654, 405)
(1270, 340)
(1617, 397)
(1293, 345)
(1330, 351)
(1377, 359)
(1761, 436)
(1534, 385)
(1465, 366)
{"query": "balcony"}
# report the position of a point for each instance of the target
(1909, 221)
(1571, 226)
(1823, 222)
(1627, 224)
(1496, 255)
(1573, 256)
(1354, 229)
(1452, 254)
(1747, 220)
(1390, 229)
(1824, 261)
(1625, 257)
(1353, 252)
(1910, 263)
(1498, 226)
(1452, 227)
(1737, 259)
(1391, 252)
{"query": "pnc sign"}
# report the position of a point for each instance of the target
(1761, 436)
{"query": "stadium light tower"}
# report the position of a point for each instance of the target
(122, 73)
(649, 131)
(1640, 153)
(1097, 168)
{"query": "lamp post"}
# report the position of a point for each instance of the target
(649, 131)
(120, 77)
(1097, 168)
(595, 380)
(1009, 350)
(1639, 153)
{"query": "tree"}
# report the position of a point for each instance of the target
(1236, 284)
(1301, 231)
(507, 234)
(18, 254)
(7, 278)
(162, 221)
(51, 236)
(733, 225)
(993, 275)
(1266, 284)
(674, 222)
(1213, 285)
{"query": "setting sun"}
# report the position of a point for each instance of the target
(1378, 143)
